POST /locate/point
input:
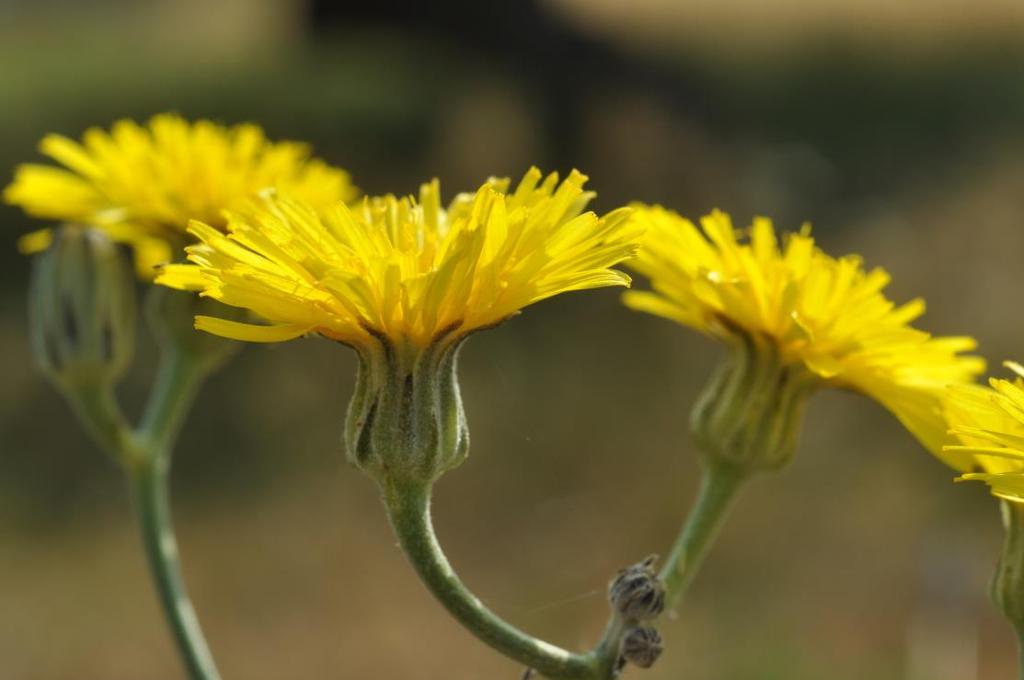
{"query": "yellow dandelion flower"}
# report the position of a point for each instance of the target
(403, 269)
(825, 316)
(989, 424)
(404, 282)
(142, 184)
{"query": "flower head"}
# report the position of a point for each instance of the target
(825, 316)
(404, 283)
(401, 269)
(988, 423)
(142, 184)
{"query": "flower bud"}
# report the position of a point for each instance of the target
(749, 416)
(405, 422)
(171, 315)
(641, 646)
(1007, 587)
(82, 309)
(636, 593)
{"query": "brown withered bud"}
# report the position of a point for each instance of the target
(636, 593)
(641, 646)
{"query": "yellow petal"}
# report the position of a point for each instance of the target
(35, 242)
(248, 332)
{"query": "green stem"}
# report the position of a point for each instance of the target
(177, 383)
(149, 488)
(97, 409)
(178, 379)
(605, 655)
(718, 488)
(409, 511)
(145, 456)
(1020, 654)
(1007, 588)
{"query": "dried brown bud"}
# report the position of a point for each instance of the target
(641, 646)
(637, 593)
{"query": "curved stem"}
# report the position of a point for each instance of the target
(409, 511)
(149, 489)
(145, 456)
(606, 654)
(177, 383)
(717, 490)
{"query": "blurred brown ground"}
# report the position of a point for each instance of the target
(897, 128)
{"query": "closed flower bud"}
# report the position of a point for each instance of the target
(82, 309)
(641, 646)
(171, 315)
(636, 593)
(750, 414)
(405, 422)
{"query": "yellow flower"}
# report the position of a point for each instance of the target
(142, 184)
(826, 316)
(405, 270)
(404, 283)
(989, 423)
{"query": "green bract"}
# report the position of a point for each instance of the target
(405, 421)
(750, 413)
(1007, 587)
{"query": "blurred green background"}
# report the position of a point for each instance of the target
(896, 128)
